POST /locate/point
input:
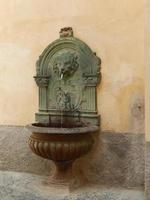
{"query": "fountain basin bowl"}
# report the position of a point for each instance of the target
(61, 144)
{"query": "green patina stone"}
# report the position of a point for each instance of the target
(67, 74)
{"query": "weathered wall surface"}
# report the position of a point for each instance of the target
(147, 70)
(147, 98)
(113, 29)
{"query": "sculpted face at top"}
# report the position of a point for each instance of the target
(65, 64)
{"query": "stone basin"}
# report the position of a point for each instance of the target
(62, 145)
(65, 129)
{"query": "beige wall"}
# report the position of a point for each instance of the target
(112, 28)
(147, 69)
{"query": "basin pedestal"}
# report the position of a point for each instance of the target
(63, 174)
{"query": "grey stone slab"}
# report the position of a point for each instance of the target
(15, 154)
(147, 170)
(117, 159)
(23, 186)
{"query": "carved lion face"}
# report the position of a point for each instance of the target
(65, 64)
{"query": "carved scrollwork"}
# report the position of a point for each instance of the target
(90, 79)
(42, 81)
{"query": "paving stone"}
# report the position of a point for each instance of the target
(25, 186)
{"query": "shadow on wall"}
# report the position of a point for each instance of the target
(118, 159)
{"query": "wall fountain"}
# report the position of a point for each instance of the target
(67, 73)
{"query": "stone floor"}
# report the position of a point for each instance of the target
(23, 186)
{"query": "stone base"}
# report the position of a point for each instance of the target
(118, 158)
(147, 170)
(23, 186)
